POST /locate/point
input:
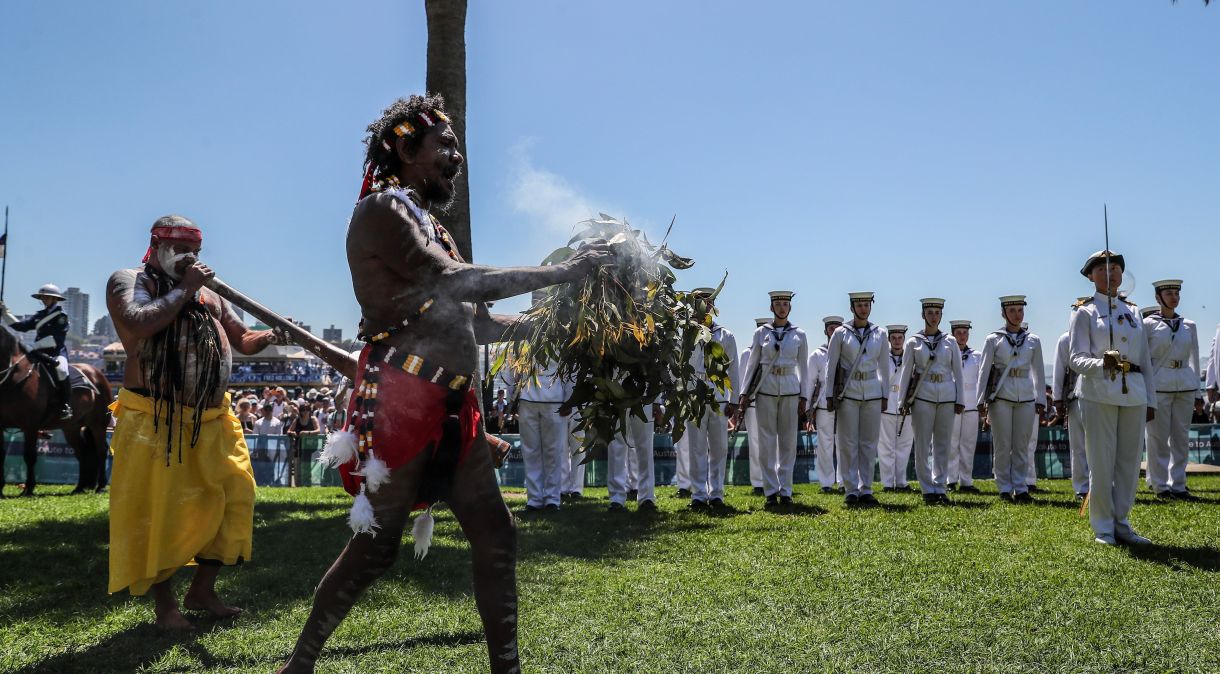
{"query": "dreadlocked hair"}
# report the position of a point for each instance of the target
(165, 358)
(384, 162)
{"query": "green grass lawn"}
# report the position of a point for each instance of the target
(983, 586)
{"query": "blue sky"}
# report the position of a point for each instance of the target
(958, 149)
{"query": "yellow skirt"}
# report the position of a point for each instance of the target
(164, 516)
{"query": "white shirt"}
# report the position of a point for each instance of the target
(1091, 338)
(724, 337)
(548, 389)
(817, 377)
(872, 377)
(940, 363)
(893, 366)
(1173, 346)
(1064, 380)
(1213, 367)
(783, 355)
(270, 426)
(971, 360)
(1017, 359)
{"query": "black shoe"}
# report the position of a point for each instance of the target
(1185, 495)
(647, 506)
(1006, 496)
(1032, 488)
(716, 503)
(533, 509)
(851, 499)
(552, 507)
(868, 499)
(772, 500)
(943, 499)
(930, 499)
(699, 505)
(1165, 495)
(616, 507)
(565, 495)
(889, 489)
(785, 500)
(952, 486)
(575, 496)
(1023, 497)
(969, 489)
(828, 490)
(758, 491)
(683, 493)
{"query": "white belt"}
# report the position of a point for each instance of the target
(863, 376)
(1174, 364)
(936, 378)
(47, 342)
(782, 371)
(1019, 372)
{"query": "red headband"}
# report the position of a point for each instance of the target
(184, 233)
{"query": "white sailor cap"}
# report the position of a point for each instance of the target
(1100, 258)
(937, 302)
(759, 322)
(896, 328)
(866, 296)
(960, 324)
(1147, 311)
(781, 295)
(703, 292)
(1012, 300)
(832, 320)
(1167, 284)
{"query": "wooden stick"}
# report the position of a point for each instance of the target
(332, 356)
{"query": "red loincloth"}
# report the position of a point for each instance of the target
(408, 419)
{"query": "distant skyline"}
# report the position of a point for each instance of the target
(955, 149)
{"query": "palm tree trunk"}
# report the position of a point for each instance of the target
(447, 76)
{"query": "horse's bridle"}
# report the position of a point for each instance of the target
(7, 372)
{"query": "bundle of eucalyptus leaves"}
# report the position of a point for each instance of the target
(624, 337)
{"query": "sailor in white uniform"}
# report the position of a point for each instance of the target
(966, 424)
(637, 441)
(1012, 390)
(1067, 407)
(931, 392)
(751, 421)
(574, 486)
(544, 435)
(897, 438)
(858, 380)
(707, 442)
(1031, 449)
(779, 358)
(1173, 346)
(1212, 380)
(1109, 348)
(821, 418)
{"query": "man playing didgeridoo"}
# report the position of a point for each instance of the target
(181, 491)
(424, 314)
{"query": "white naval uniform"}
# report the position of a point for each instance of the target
(544, 435)
(1114, 421)
(1021, 384)
(1173, 347)
(823, 419)
(1212, 380)
(859, 411)
(637, 441)
(575, 482)
(782, 353)
(707, 443)
(932, 412)
(751, 422)
(1064, 389)
(1031, 451)
(966, 425)
(894, 448)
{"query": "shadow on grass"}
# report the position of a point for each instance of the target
(1201, 557)
(795, 510)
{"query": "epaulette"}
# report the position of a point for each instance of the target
(1080, 303)
(1129, 302)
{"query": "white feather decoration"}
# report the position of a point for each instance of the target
(340, 449)
(376, 472)
(422, 533)
(361, 518)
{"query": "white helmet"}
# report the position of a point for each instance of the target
(48, 290)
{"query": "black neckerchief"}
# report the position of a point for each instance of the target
(779, 336)
(896, 359)
(966, 353)
(1173, 323)
(862, 334)
(933, 343)
(1015, 342)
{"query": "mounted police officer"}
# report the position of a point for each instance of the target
(50, 326)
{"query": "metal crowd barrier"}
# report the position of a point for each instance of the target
(278, 463)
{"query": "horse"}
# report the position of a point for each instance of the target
(28, 403)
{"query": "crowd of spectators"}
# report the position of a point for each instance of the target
(278, 412)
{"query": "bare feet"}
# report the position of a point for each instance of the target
(173, 621)
(198, 600)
